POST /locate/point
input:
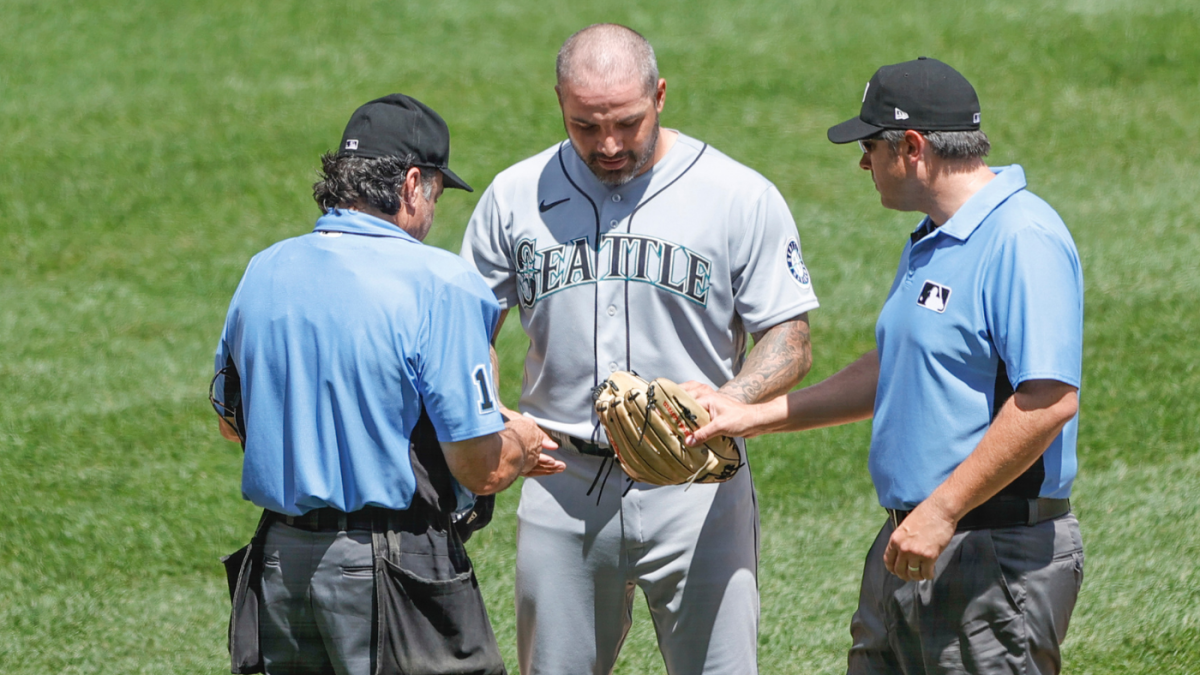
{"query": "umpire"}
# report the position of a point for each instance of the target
(973, 388)
(354, 366)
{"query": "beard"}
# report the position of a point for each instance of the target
(637, 160)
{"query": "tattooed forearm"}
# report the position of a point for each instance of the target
(780, 358)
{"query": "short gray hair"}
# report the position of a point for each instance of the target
(609, 53)
(945, 144)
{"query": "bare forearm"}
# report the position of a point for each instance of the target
(513, 461)
(781, 357)
(1025, 427)
(488, 464)
(846, 396)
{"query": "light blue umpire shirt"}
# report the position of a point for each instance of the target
(340, 337)
(990, 299)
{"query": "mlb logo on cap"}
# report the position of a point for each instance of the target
(351, 144)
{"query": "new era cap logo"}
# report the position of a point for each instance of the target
(351, 144)
(934, 296)
(975, 118)
(901, 115)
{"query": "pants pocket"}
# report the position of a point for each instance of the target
(429, 627)
(358, 571)
(244, 578)
(992, 633)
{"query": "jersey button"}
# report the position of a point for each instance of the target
(613, 223)
(612, 367)
(612, 310)
(616, 198)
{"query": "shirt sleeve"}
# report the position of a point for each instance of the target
(224, 357)
(487, 247)
(455, 371)
(771, 283)
(1034, 306)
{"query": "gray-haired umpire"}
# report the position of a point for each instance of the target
(355, 368)
(973, 391)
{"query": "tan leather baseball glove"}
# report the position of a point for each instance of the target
(646, 424)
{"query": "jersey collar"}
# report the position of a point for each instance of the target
(355, 222)
(1009, 180)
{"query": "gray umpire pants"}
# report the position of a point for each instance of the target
(318, 592)
(999, 602)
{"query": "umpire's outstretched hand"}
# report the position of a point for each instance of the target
(729, 417)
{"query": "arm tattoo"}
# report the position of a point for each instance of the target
(780, 358)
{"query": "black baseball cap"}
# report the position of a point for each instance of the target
(398, 126)
(924, 94)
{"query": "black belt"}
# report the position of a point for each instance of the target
(329, 519)
(1003, 512)
(581, 446)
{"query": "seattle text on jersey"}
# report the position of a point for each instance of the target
(666, 265)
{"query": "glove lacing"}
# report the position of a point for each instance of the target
(612, 461)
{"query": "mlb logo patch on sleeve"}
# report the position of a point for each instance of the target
(934, 296)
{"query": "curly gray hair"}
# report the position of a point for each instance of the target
(375, 182)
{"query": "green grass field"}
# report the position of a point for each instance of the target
(150, 148)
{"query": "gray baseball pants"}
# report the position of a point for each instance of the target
(999, 602)
(694, 553)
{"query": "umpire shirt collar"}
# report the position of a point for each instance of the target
(1009, 180)
(355, 222)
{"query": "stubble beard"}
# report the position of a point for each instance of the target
(623, 175)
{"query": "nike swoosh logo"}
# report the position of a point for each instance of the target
(544, 207)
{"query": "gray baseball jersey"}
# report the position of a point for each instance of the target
(664, 275)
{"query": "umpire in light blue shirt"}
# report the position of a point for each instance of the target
(355, 368)
(973, 391)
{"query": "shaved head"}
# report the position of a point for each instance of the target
(607, 54)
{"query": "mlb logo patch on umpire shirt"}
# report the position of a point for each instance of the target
(934, 296)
